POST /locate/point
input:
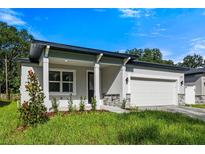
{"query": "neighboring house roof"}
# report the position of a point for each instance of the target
(156, 65)
(38, 46)
(193, 71)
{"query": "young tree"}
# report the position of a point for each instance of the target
(14, 43)
(33, 111)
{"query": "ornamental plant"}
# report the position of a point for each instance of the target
(33, 111)
(70, 103)
(93, 103)
(82, 103)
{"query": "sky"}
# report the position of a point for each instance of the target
(176, 32)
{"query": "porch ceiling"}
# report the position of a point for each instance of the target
(63, 61)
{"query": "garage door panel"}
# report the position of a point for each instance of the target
(151, 92)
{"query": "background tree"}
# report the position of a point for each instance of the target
(149, 55)
(14, 43)
(192, 61)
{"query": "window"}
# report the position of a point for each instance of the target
(62, 81)
(54, 81)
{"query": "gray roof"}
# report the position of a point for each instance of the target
(193, 71)
(156, 65)
(37, 47)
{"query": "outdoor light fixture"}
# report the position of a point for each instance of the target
(126, 80)
(182, 82)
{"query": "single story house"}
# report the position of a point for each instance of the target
(196, 78)
(110, 77)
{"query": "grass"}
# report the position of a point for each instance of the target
(148, 127)
(198, 105)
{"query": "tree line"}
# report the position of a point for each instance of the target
(15, 43)
(155, 56)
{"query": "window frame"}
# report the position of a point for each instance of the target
(61, 81)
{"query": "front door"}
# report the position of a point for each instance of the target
(90, 86)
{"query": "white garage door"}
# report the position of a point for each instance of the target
(151, 92)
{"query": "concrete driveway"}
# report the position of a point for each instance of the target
(189, 111)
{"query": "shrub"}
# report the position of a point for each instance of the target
(70, 103)
(33, 111)
(123, 104)
(54, 104)
(82, 103)
(93, 103)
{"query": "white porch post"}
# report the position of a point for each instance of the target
(45, 61)
(123, 72)
(97, 82)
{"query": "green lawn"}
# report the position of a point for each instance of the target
(198, 105)
(148, 127)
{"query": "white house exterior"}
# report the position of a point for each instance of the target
(196, 78)
(109, 77)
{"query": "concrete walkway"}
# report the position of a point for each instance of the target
(189, 111)
(114, 109)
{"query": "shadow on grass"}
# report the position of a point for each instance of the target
(4, 103)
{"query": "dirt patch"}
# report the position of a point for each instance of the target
(21, 128)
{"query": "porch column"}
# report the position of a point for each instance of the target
(123, 72)
(97, 82)
(45, 62)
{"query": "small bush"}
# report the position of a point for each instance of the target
(123, 104)
(93, 103)
(70, 103)
(33, 111)
(82, 103)
(54, 104)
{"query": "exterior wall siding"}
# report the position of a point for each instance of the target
(158, 73)
(24, 74)
(153, 73)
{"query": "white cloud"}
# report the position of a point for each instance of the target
(130, 13)
(196, 46)
(135, 13)
(11, 17)
(166, 53)
(36, 34)
(14, 18)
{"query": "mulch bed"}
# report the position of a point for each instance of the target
(64, 113)
(21, 128)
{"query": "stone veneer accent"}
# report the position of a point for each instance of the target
(112, 100)
(128, 98)
(200, 99)
(181, 99)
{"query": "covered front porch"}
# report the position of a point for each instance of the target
(82, 75)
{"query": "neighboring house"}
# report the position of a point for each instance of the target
(108, 76)
(196, 78)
